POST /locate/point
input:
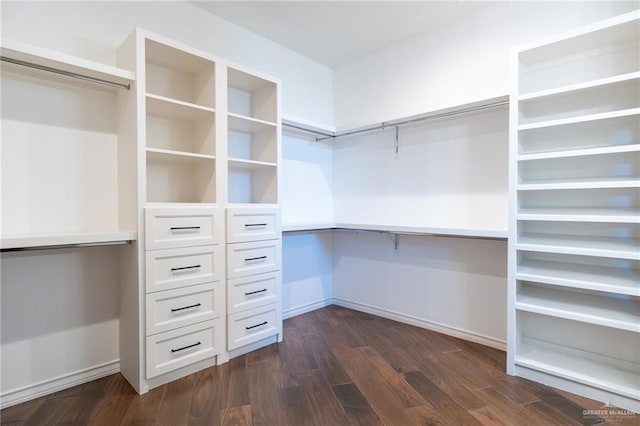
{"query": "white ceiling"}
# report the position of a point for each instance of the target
(336, 32)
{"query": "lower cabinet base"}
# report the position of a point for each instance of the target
(253, 325)
(578, 388)
(255, 346)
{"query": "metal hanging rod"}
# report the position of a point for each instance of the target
(385, 125)
(126, 86)
(65, 246)
(306, 130)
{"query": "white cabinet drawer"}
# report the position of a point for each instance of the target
(245, 259)
(253, 291)
(171, 309)
(182, 227)
(250, 326)
(173, 268)
(253, 224)
(178, 348)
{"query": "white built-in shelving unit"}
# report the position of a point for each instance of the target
(574, 244)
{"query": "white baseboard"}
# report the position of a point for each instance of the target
(46, 387)
(303, 309)
(423, 323)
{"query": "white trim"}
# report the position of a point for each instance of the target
(308, 307)
(49, 386)
(423, 323)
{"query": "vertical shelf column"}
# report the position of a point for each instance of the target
(574, 246)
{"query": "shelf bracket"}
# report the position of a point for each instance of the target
(394, 239)
(397, 141)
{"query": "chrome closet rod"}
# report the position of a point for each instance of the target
(416, 234)
(66, 73)
(385, 125)
(315, 132)
(64, 246)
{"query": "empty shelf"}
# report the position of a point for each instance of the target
(613, 215)
(576, 244)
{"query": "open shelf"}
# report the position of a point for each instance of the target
(242, 164)
(608, 133)
(616, 96)
(580, 119)
(577, 366)
(600, 309)
(580, 152)
(254, 140)
(252, 96)
(243, 123)
(180, 177)
(172, 108)
(174, 73)
(618, 215)
(594, 52)
(621, 280)
(53, 239)
(591, 183)
(581, 245)
(67, 63)
(252, 183)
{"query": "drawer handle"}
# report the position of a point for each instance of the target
(182, 268)
(257, 325)
(186, 347)
(184, 228)
(255, 258)
(248, 225)
(186, 307)
(255, 292)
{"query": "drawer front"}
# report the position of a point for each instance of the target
(244, 259)
(253, 224)
(182, 227)
(167, 310)
(253, 291)
(178, 348)
(174, 268)
(251, 326)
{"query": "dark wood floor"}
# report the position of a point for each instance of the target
(335, 367)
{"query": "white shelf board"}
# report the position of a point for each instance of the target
(308, 227)
(419, 230)
(601, 82)
(174, 109)
(606, 311)
(580, 152)
(584, 369)
(239, 163)
(561, 214)
(246, 124)
(580, 245)
(179, 155)
(591, 183)
(580, 119)
(68, 63)
(588, 277)
(67, 238)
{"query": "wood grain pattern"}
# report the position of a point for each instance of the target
(335, 367)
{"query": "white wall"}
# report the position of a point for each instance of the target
(59, 314)
(93, 30)
(448, 173)
(456, 63)
(456, 286)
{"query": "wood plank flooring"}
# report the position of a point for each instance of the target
(335, 367)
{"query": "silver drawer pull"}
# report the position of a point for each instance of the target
(184, 228)
(183, 268)
(255, 292)
(186, 307)
(248, 225)
(257, 325)
(186, 347)
(255, 258)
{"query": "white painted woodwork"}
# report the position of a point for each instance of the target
(172, 309)
(255, 257)
(252, 224)
(169, 227)
(254, 291)
(250, 326)
(180, 267)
